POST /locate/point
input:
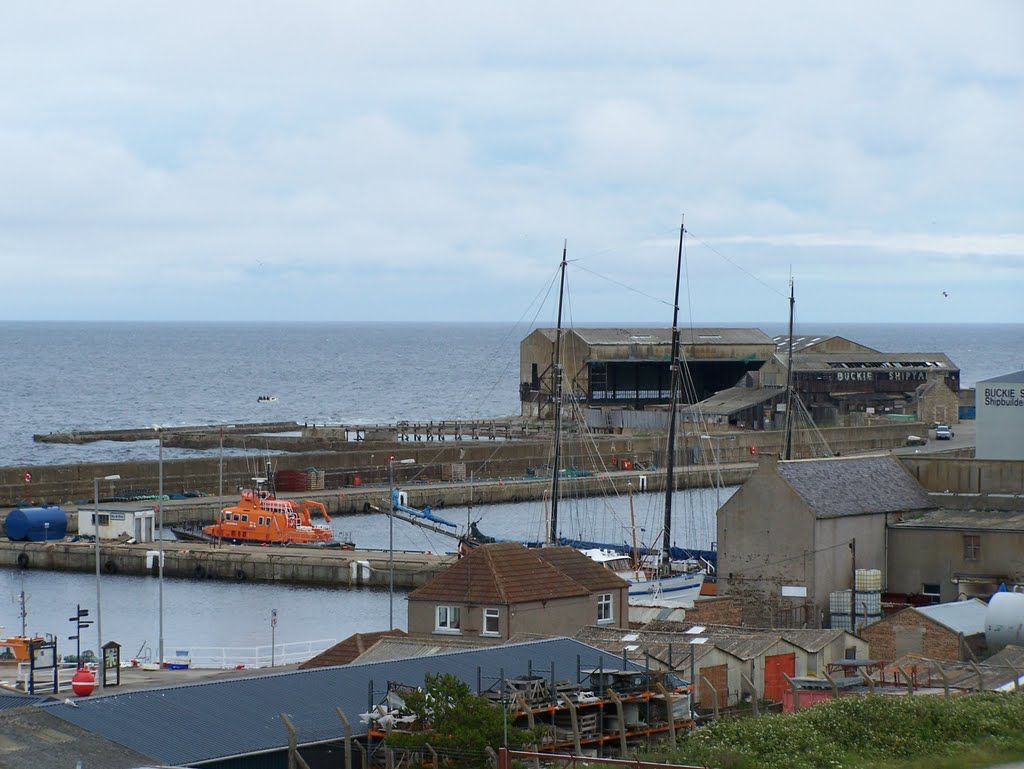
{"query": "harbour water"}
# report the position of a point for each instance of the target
(207, 613)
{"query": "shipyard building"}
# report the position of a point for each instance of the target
(999, 409)
(736, 376)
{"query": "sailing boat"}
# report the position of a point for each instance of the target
(667, 582)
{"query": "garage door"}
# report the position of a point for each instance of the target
(774, 666)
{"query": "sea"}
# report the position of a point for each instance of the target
(77, 376)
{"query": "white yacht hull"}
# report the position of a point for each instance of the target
(676, 590)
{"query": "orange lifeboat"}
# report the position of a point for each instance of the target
(259, 518)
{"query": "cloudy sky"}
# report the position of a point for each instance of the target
(424, 161)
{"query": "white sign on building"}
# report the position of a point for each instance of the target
(999, 409)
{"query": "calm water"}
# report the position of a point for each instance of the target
(237, 614)
(64, 376)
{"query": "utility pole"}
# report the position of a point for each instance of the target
(853, 585)
(788, 453)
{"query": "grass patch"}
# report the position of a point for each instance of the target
(922, 732)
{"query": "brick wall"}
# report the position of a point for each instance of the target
(725, 610)
(909, 631)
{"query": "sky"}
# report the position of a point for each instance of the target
(412, 161)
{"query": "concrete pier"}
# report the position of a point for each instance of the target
(192, 560)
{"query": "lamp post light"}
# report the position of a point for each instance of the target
(96, 536)
(160, 547)
(391, 536)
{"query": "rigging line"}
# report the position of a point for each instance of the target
(507, 366)
(803, 554)
(736, 264)
(620, 284)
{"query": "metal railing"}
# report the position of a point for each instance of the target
(226, 657)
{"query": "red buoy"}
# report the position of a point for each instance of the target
(83, 682)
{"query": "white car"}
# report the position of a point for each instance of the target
(943, 433)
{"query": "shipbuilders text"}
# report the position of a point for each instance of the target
(1003, 396)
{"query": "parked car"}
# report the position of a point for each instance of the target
(943, 433)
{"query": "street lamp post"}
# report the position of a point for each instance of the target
(391, 536)
(160, 548)
(96, 536)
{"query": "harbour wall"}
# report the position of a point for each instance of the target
(366, 463)
(329, 566)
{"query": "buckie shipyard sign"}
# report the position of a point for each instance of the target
(1004, 396)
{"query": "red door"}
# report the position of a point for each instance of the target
(774, 666)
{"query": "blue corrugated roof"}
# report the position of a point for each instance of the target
(8, 701)
(216, 719)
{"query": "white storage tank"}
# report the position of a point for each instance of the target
(1004, 621)
(868, 580)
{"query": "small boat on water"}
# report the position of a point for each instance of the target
(679, 587)
(266, 399)
(259, 518)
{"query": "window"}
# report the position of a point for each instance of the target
(447, 620)
(932, 592)
(972, 547)
(604, 608)
(491, 622)
(245, 518)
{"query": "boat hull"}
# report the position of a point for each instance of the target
(675, 590)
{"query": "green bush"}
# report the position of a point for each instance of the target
(867, 731)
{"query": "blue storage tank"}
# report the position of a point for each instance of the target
(28, 524)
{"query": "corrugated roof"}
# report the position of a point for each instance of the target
(10, 701)
(1016, 376)
(33, 738)
(868, 361)
(727, 402)
(809, 342)
(809, 639)
(346, 651)
(663, 336)
(854, 486)
(747, 648)
(967, 617)
(216, 719)
(507, 573)
(416, 646)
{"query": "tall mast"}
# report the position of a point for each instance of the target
(557, 374)
(666, 534)
(788, 454)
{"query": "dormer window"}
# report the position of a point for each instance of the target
(446, 620)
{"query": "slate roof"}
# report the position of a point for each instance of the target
(854, 486)
(181, 725)
(347, 651)
(967, 617)
(508, 573)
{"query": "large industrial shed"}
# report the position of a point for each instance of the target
(236, 724)
(630, 367)
(835, 384)
(999, 409)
